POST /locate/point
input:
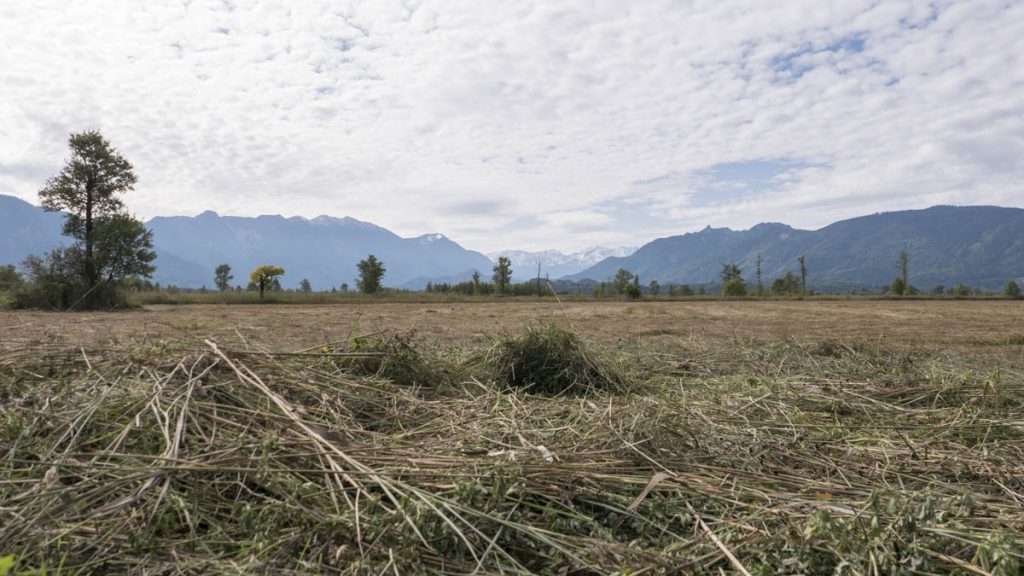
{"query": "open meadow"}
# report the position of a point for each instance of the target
(520, 437)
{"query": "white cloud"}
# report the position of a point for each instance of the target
(530, 118)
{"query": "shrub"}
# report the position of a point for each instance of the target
(734, 287)
(786, 285)
(898, 287)
(55, 282)
(632, 292)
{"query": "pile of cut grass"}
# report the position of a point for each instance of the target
(551, 361)
(761, 458)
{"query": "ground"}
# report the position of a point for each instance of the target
(749, 437)
(934, 323)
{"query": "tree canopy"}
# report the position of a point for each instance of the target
(263, 276)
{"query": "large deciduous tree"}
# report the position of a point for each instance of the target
(371, 271)
(111, 244)
(222, 277)
(623, 278)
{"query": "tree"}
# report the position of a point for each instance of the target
(904, 270)
(622, 279)
(632, 291)
(263, 276)
(538, 278)
(371, 271)
(732, 281)
(502, 275)
(961, 289)
(654, 287)
(222, 277)
(476, 282)
(803, 276)
(760, 285)
(939, 289)
(305, 286)
(730, 271)
(1011, 289)
(88, 189)
(112, 244)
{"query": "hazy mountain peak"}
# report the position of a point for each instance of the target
(430, 238)
(770, 226)
(348, 221)
(555, 263)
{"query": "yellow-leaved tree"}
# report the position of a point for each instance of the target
(263, 276)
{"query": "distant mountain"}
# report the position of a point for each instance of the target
(554, 263)
(26, 229)
(977, 245)
(324, 250)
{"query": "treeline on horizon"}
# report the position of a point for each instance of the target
(625, 285)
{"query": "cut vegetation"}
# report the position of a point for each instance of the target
(541, 452)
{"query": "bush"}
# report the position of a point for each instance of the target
(786, 285)
(898, 287)
(55, 283)
(632, 292)
(734, 287)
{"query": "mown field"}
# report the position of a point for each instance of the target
(785, 437)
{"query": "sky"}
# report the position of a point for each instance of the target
(527, 124)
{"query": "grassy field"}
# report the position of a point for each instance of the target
(783, 437)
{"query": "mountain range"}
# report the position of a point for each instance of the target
(980, 246)
(977, 245)
(323, 250)
(556, 264)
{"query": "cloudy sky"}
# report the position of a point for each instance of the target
(525, 124)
